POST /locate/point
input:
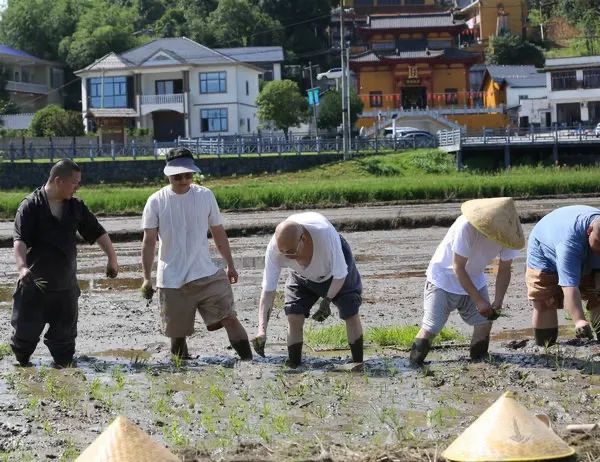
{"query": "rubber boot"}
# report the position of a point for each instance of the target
(546, 337)
(242, 347)
(294, 355)
(419, 350)
(22, 359)
(179, 347)
(479, 350)
(63, 363)
(357, 350)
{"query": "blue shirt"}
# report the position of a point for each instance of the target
(559, 244)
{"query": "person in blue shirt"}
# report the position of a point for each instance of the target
(563, 262)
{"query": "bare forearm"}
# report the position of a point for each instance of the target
(20, 251)
(148, 249)
(335, 287)
(106, 246)
(573, 303)
(465, 281)
(264, 310)
(222, 244)
(502, 283)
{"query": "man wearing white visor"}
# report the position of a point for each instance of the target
(180, 216)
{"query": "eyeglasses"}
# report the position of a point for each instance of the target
(293, 253)
(183, 176)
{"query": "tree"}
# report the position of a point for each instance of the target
(238, 23)
(512, 49)
(103, 28)
(330, 109)
(280, 102)
(55, 121)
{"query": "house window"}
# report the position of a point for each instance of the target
(107, 92)
(247, 88)
(523, 97)
(248, 124)
(451, 95)
(363, 2)
(414, 2)
(376, 98)
(213, 82)
(57, 78)
(168, 87)
(389, 2)
(383, 45)
(564, 80)
(213, 120)
(591, 78)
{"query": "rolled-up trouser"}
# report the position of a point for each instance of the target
(301, 294)
(33, 309)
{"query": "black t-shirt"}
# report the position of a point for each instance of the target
(52, 243)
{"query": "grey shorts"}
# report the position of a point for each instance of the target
(438, 304)
(301, 294)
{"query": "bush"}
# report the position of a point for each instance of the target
(55, 121)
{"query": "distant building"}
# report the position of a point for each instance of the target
(177, 88)
(574, 90)
(521, 90)
(32, 83)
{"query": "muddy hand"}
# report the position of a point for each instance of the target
(324, 310)
(147, 291)
(496, 313)
(584, 332)
(111, 272)
(258, 343)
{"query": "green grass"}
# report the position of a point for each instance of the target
(396, 336)
(5, 350)
(416, 175)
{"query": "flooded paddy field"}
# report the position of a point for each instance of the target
(215, 407)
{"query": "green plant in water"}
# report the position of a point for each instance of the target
(5, 350)
(281, 424)
(119, 377)
(217, 393)
(174, 434)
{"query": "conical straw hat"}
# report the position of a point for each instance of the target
(123, 441)
(507, 431)
(497, 219)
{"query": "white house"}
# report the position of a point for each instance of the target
(522, 90)
(174, 86)
(574, 89)
(31, 83)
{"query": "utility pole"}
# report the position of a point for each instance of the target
(347, 96)
(342, 52)
(314, 105)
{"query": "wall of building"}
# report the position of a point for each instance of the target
(493, 93)
(32, 175)
(513, 95)
(477, 122)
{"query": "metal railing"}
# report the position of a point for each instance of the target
(26, 87)
(162, 99)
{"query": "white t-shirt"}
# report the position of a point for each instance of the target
(464, 240)
(183, 221)
(327, 260)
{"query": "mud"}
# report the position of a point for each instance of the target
(216, 407)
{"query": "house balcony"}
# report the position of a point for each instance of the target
(151, 103)
(26, 87)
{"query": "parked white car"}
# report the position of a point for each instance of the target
(597, 131)
(334, 73)
(388, 132)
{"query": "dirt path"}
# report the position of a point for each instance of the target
(216, 407)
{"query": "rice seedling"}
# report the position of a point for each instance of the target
(5, 350)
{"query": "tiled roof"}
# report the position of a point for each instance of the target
(412, 21)
(183, 47)
(8, 51)
(254, 54)
(517, 76)
(450, 53)
(579, 62)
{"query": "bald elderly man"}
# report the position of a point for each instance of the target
(321, 266)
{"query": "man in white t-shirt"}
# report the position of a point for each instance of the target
(487, 229)
(321, 266)
(180, 216)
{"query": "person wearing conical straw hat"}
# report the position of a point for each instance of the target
(563, 259)
(487, 229)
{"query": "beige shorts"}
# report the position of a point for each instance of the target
(211, 296)
(544, 286)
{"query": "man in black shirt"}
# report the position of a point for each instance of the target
(45, 229)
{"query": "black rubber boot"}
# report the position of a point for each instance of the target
(419, 350)
(357, 350)
(179, 348)
(22, 359)
(242, 347)
(546, 337)
(63, 363)
(294, 355)
(479, 350)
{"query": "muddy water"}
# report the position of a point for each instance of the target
(225, 409)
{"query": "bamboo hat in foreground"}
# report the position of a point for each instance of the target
(507, 431)
(497, 219)
(123, 441)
